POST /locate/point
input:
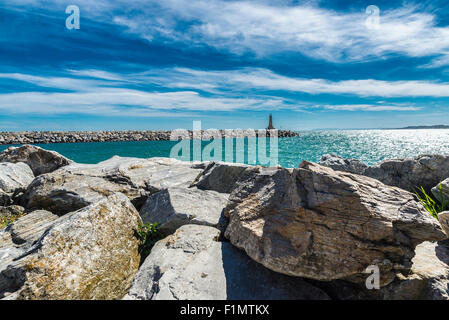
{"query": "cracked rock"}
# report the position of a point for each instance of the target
(318, 223)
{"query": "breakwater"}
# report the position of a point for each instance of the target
(43, 137)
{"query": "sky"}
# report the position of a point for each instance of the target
(153, 65)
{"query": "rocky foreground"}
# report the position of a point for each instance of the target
(43, 137)
(229, 231)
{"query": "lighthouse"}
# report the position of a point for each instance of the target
(270, 123)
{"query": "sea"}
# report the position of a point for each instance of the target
(369, 146)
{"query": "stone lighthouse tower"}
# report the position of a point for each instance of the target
(270, 123)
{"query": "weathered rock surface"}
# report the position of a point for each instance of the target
(443, 217)
(427, 280)
(318, 223)
(220, 176)
(441, 191)
(87, 254)
(11, 210)
(78, 185)
(61, 192)
(192, 264)
(40, 160)
(174, 207)
(425, 170)
(14, 176)
(17, 238)
(341, 164)
(430, 275)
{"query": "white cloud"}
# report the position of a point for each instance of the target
(127, 102)
(63, 83)
(263, 79)
(244, 89)
(371, 107)
(266, 27)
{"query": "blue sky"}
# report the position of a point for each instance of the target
(147, 64)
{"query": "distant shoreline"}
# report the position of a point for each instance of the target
(424, 127)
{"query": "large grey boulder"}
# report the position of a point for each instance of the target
(61, 192)
(220, 176)
(322, 224)
(341, 164)
(152, 174)
(171, 208)
(14, 176)
(40, 160)
(429, 278)
(408, 174)
(441, 191)
(77, 185)
(17, 238)
(425, 170)
(192, 265)
(91, 253)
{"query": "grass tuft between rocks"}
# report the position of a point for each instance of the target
(432, 205)
(7, 220)
(148, 234)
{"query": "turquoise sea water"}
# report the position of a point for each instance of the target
(370, 146)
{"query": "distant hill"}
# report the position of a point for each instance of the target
(440, 126)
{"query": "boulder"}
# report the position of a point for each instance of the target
(341, 164)
(429, 279)
(174, 207)
(78, 185)
(17, 238)
(443, 217)
(322, 224)
(220, 176)
(5, 199)
(91, 253)
(152, 174)
(61, 192)
(408, 174)
(14, 176)
(425, 170)
(192, 264)
(40, 160)
(441, 191)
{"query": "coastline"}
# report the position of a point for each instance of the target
(45, 137)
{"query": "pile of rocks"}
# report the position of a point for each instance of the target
(230, 231)
(42, 137)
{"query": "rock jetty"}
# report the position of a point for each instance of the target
(226, 231)
(43, 137)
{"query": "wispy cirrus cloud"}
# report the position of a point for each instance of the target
(134, 94)
(271, 27)
(267, 28)
(264, 79)
(371, 107)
